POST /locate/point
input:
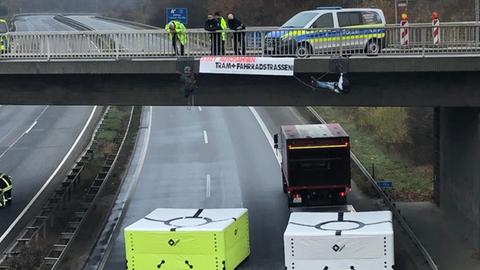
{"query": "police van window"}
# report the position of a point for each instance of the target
(371, 17)
(325, 21)
(349, 19)
(300, 20)
(3, 28)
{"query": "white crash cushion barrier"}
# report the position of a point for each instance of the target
(339, 241)
(213, 239)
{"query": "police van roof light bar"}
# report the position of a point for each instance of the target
(329, 8)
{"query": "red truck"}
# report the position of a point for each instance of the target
(315, 164)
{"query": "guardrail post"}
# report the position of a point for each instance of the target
(341, 42)
(477, 34)
(262, 42)
(48, 47)
(117, 48)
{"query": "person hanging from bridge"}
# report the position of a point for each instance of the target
(239, 36)
(342, 86)
(223, 26)
(189, 82)
(177, 34)
(213, 25)
(5, 189)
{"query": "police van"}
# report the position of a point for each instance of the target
(327, 30)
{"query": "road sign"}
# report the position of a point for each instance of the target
(385, 184)
(178, 14)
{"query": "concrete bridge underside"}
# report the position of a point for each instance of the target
(376, 81)
(429, 89)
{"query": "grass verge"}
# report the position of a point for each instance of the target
(411, 182)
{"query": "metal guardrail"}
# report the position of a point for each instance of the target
(388, 201)
(37, 228)
(455, 38)
(57, 253)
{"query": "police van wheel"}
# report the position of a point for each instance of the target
(303, 50)
(373, 47)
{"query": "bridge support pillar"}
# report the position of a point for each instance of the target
(459, 188)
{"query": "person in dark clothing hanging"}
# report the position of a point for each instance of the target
(213, 25)
(239, 41)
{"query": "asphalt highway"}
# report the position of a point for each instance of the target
(213, 158)
(39, 23)
(99, 24)
(231, 147)
(34, 140)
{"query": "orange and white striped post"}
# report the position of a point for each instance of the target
(404, 32)
(435, 28)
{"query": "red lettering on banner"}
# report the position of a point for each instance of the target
(208, 59)
(238, 59)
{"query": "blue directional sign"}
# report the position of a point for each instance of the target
(178, 14)
(385, 184)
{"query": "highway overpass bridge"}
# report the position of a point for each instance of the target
(138, 67)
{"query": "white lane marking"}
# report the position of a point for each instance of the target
(143, 155)
(266, 133)
(24, 133)
(209, 186)
(29, 205)
(205, 136)
(200, 108)
(31, 127)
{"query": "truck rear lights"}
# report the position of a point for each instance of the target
(297, 198)
(342, 194)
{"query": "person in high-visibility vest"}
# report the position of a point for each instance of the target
(177, 33)
(4, 36)
(223, 26)
(5, 189)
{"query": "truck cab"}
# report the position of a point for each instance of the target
(315, 164)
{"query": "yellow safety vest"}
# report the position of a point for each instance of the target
(223, 25)
(180, 30)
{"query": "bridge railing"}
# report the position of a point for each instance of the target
(462, 38)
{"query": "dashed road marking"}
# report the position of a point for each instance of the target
(205, 136)
(25, 132)
(209, 186)
(47, 183)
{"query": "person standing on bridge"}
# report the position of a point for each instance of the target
(223, 26)
(177, 34)
(239, 36)
(213, 25)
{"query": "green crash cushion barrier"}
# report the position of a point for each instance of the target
(205, 239)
